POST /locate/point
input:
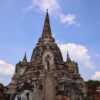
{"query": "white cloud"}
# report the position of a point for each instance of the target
(78, 53)
(69, 19)
(6, 69)
(55, 9)
(54, 35)
(1, 79)
(42, 5)
(96, 76)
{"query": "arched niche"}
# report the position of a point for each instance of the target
(48, 60)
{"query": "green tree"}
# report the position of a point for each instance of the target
(92, 82)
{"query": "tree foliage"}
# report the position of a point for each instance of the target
(92, 82)
(87, 98)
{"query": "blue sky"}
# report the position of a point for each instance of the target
(75, 25)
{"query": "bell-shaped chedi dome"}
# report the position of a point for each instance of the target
(46, 43)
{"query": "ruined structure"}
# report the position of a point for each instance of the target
(46, 76)
(2, 92)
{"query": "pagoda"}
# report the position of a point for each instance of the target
(46, 76)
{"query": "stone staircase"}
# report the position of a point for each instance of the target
(49, 86)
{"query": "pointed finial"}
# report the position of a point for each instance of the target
(25, 58)
(47, 10)
(68, 57)
(67, 54)
(47, 28)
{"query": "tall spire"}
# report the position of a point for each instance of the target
(46, 29)
(68, 57)
(25, 58)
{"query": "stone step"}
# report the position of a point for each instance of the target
(49, 86)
